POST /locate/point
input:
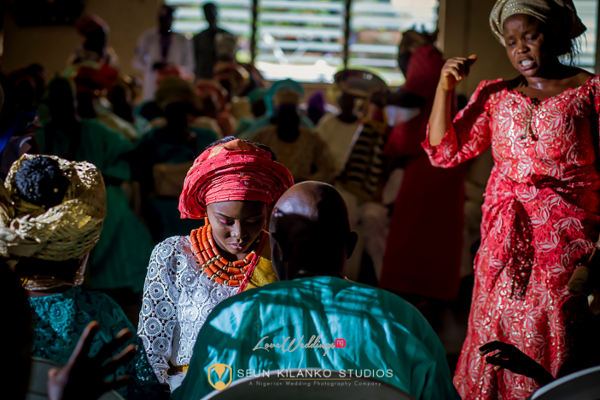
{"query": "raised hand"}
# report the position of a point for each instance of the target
(454, 70)
(84, 377)
(514, 360)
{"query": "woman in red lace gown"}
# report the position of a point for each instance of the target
(542, 206)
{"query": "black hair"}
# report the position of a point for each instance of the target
(58, 83)
(565, 48)
(209, 5)
(572, 50)
(65, 270)
(228, 139)
(40, 181)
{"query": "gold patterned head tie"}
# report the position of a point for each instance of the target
(559, 15)
(66, 231)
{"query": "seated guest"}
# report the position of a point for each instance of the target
(20, 93)
(147, 112)
(311, 240)
(91, 83)
(95, 47)
(265, 120)
(51, 215)
(84, 376)
(165, 154)
(215, 107)
(316, 107)
(119, 259)
(256, 99)
(230, 186)
(300, 149)
(119, 101)
(339, 130)
(121, 97)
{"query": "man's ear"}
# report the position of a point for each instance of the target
(351, 241)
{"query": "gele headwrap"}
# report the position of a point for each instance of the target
(560, 15)
(232, 171)
(173, 89)
(286, 84)
(90, 23)
(66, 231)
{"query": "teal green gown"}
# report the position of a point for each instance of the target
(120, 258)
(59, 321)
(153, 149)
(382, 332)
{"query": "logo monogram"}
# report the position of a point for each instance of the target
(340, 343)
(220, 370)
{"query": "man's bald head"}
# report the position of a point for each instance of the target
(310, 232)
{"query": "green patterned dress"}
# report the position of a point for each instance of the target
(59, 321)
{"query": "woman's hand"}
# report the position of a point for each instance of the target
(454, 70)
(514, 360)
(440, 119)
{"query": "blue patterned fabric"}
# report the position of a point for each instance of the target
(382, 332)
(59, 321)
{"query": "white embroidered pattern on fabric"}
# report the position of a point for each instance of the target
(177, 300)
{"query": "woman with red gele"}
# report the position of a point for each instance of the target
(230, 186)
(541, 215)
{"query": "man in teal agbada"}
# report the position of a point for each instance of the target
(311, 240)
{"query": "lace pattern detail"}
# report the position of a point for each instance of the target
(60, 320)
(540, 220)
(177, 300)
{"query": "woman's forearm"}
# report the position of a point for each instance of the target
(440, 119)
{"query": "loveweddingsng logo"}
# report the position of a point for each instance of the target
(291, 345)
(220, 370)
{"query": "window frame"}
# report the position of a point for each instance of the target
(347, 31)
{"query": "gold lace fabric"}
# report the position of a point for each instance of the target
(66, 231)
(263, 274)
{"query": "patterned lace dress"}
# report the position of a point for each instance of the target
(59, 321)
(540, 219)
(177, 300)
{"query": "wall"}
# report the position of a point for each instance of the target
(465, 30)
(51, 46)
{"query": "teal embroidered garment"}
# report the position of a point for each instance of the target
(59, 321)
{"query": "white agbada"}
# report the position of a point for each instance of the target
(148, 52)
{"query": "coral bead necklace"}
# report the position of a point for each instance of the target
(228, 273)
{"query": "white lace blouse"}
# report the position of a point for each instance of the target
(177, 300)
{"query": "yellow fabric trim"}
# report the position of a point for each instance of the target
(182, 368)
(263, 274)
